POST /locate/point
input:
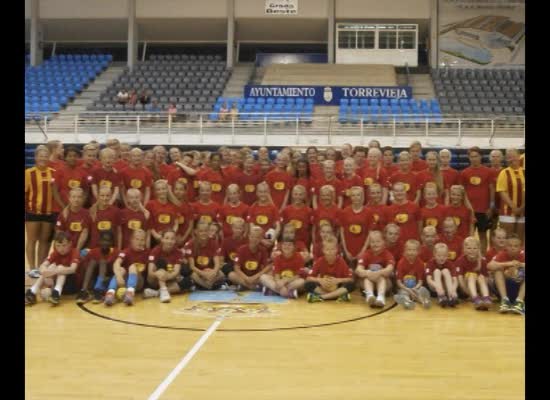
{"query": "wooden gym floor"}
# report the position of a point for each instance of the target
(289, 351)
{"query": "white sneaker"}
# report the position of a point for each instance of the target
(370, 299)
(164, 296)
(425, 297)
(149, 293)
(380, 302)
(34, 273)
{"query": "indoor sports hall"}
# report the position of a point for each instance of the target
(266, 199)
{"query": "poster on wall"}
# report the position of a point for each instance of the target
(281, 7)
(481, 33)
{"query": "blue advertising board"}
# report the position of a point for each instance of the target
(329, 95)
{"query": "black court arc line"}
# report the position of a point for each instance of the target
(177, 328)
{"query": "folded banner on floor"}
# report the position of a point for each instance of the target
(329, 95)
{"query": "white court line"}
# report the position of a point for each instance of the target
(185, 360)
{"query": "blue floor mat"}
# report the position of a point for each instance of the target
(216, 296)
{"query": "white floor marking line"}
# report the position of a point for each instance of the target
(185, 360)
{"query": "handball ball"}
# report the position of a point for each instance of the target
(270, 234)
(410, 283)
(46, 293)
(120, 292)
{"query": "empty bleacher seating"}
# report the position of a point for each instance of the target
(270, 109)
(52, 84)
(192, 82)
(480, 92)
(385, 110)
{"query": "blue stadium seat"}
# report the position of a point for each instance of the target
(280, 100)
(309, 101)
(270, 100)
(344, 102)
(260, 100)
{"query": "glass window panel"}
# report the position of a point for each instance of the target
(407, 40)
(347, 40)
(365, 40)
(387, 39)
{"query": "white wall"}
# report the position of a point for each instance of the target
(181, 9)
(377, 56)
(83, 9)
(385, 9)
(27, 9)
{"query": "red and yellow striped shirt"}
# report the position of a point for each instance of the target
(512, 182)
(38, 190)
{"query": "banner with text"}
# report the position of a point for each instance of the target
(329, 95)
(281, 7)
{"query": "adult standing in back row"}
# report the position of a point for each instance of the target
(511, 188)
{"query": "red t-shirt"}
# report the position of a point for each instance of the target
(392, 169)
(325, 215)
(355, 228)
(217, 182)
(427, 176)
(405, 269)
(347, 184)
(69, 178)
(463, 218)
(130, 256)
(248, 184)
(228, 212)
(396, 249)
(96, 255)
(374, 175)
(406, 216)
(205, 212)
(503, 256)
(301, 218)
(163, 216)
(101, 177)
(419, 165)
(375, 262)
(317, 249)
(251, 262)
(338, 269)
(232, 174)
(410, 181)
(336, 183)
(289, 267)
(130, 221)
(173, 257)
(454, 245)
(263, 216)
(120, 164)
(108, 219)
(74, 224)
(203, 255)
(432, 265)
(316, 171)
(136, 178)
(279, 183)
(433, 216)
(463, 265)
(426, 253)
(476, 181)
(56, 165)
(82, 164)
(376, 217)
(185, 217)
(451, 177)
(305, 182)
(65, 260)
(230, 246)
(179, 175)
(491, 253)
(166, 169)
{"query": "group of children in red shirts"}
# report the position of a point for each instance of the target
(130, 222)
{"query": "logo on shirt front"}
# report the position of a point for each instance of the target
(229, 219)
(401, 218)
(407, 187)
(452, 255)
(431, 222)
(181, 220)
(73, 183)
(297, 224)
(251, 265)
(279, 185)
(205, 218)
(457, 221)
(164, 218)
(75, 227)
(376, 217)
(368, 181)
(475, 180)
(355, 228)
(135, 183)
(375, 267)
(216, 187)
(324, 222)
(261, 220)
(105, 183)
(140, 267)
(249, 188)
(170, 267)
(134, 224)
(182, 180)
(287, 273)
(202, 260)
(233, 256)
(104, 225)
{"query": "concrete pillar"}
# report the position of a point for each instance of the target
(132, 34)
(330, 38)
(434, 33)
(37, 54)
(230, 33)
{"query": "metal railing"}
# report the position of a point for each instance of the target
(325, 127)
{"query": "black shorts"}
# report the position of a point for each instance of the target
(50, 218)
(483, 223)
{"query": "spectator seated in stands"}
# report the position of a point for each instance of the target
(133, 98)
(152, 107)
(123, 96)
(234, 112)
(224, 112)
(172, 110)
(144, 98)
